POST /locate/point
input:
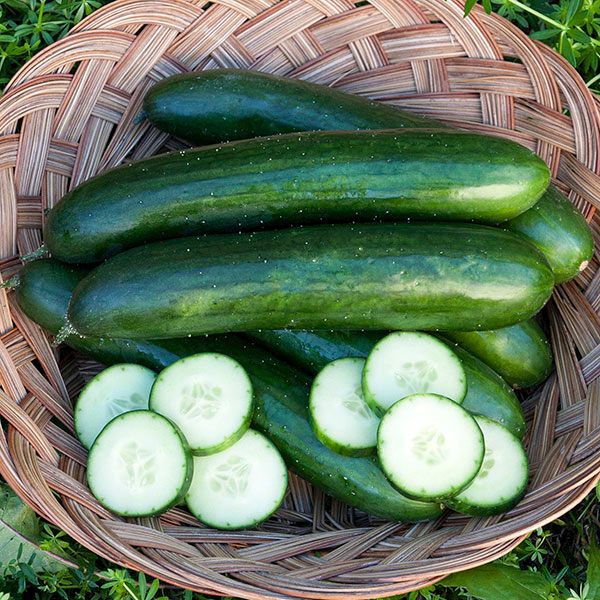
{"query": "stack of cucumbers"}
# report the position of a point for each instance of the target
(332, 284)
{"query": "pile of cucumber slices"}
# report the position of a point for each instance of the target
(182, 436)
(321, 283)
(404, 403)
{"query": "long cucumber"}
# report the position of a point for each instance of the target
(487, 393)
(375, 276)
(281, 395)
(297, 179)
(231, 104)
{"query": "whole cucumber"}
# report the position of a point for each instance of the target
(520, 353)
(281, 395)
(487, 393)
(224, 105)
(559, 230)
(373, 276)
(296, 179)
(232, 104)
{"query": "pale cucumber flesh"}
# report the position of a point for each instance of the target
(340, 415)
(208, 396)
(114, 391)
(139, 465)
(240, 486)
(405, 363)
(429, 447)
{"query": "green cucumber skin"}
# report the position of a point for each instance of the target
(487, 393)
(340, 448)
(520, 353)
(280, 391)
(296, 179)
(232, 104)
(46, 287)
(370, 276)
(560, 231)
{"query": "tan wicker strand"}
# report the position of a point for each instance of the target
(71, 112)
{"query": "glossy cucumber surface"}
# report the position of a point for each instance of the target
(232, 104)
(296, 179)
(281, 395)
(520, 353)
(559, 230)
(372, 276)
(235, 104)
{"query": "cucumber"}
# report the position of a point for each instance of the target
(410, 362)
(208, 396)
(232, 104)
(487, 393)
(520, 353)
(560, 231)
(140, 465)
(296, 179)
(502, 480)
(396, 276)
(222, 105)
(339, 413)
(429, 447)
(238, 487)
(281, 395)
(114, 391)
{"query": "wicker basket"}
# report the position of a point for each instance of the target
(71, 112)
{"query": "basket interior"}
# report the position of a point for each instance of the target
(71, 112)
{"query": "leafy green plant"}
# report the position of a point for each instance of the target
(572, 27)
(28, 26)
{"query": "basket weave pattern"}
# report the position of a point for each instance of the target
(71, 112)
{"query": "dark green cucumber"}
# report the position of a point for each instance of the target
(232, 104)
(223, 105)
(297, 179)
(520, 353)
(281, 394)
(43, 292)
(487, 393)
(559, 230)
(371, 276)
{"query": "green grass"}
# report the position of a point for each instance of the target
(560, 561)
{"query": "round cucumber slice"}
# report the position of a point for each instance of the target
(429, 447)
(139, 465)
(114, 391)
(502, 479)
(240, 486)
(340, 416)
(209, 397)
(409, 362)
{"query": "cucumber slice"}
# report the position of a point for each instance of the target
(239, 487)
(114, 391)
(502, 479)
(429, 447)
(209, 397)
(409, 362)
(339, 413)
(139, 465)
